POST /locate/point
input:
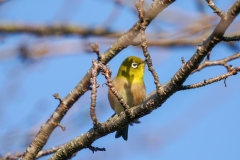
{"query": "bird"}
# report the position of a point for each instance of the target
(129, 83)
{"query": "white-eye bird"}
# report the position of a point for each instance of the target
(130, 85)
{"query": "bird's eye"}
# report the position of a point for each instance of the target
(134, 65)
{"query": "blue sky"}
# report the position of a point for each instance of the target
(195, 124)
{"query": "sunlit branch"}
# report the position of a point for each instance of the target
(222, 62)
(233, 71)
(214, 8)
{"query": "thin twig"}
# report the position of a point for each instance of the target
(48, 151)
(233, 38)
(222, 62)
(42, 153)
(95, 149)
(57, 96)
(59, 125)
(105, 70)
(225, 82)
(95, 48)
(214, 8)
(233, 71)
(183, 61)
(139, 7)
(93, 81)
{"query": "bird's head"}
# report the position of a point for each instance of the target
(132, 68)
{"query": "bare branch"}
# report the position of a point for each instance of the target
(54, 29)
(153, 101)
(57, 96)
(232, 72)
(183, 61)
(139, 7)
(48, 151)
(204, 49)
(222, 62)
(214, 8)
(95, 48)
(83, 86)
(228, 39)
(105, 70)
(93, 81)
(95, 149)
(58, 124)
(39, 155)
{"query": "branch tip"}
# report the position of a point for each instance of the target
(95, 49)
(221, 62)
(59, 125)
(183, 61)
(57, 96)
(231, 72)
(225, 82)
(144, 47)
(95, 149)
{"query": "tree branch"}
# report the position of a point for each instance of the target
(233, 71)
(53, 29)
(105, 70)
(93, 81)
(222, 62)
(233, 38)
(214, 8)
(153, 101)
(83, 86)
(39, 155)
(141, 12)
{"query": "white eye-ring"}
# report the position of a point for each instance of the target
(134, 65)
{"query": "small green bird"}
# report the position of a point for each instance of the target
(130, 85)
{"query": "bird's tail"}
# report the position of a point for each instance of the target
(123, 132)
